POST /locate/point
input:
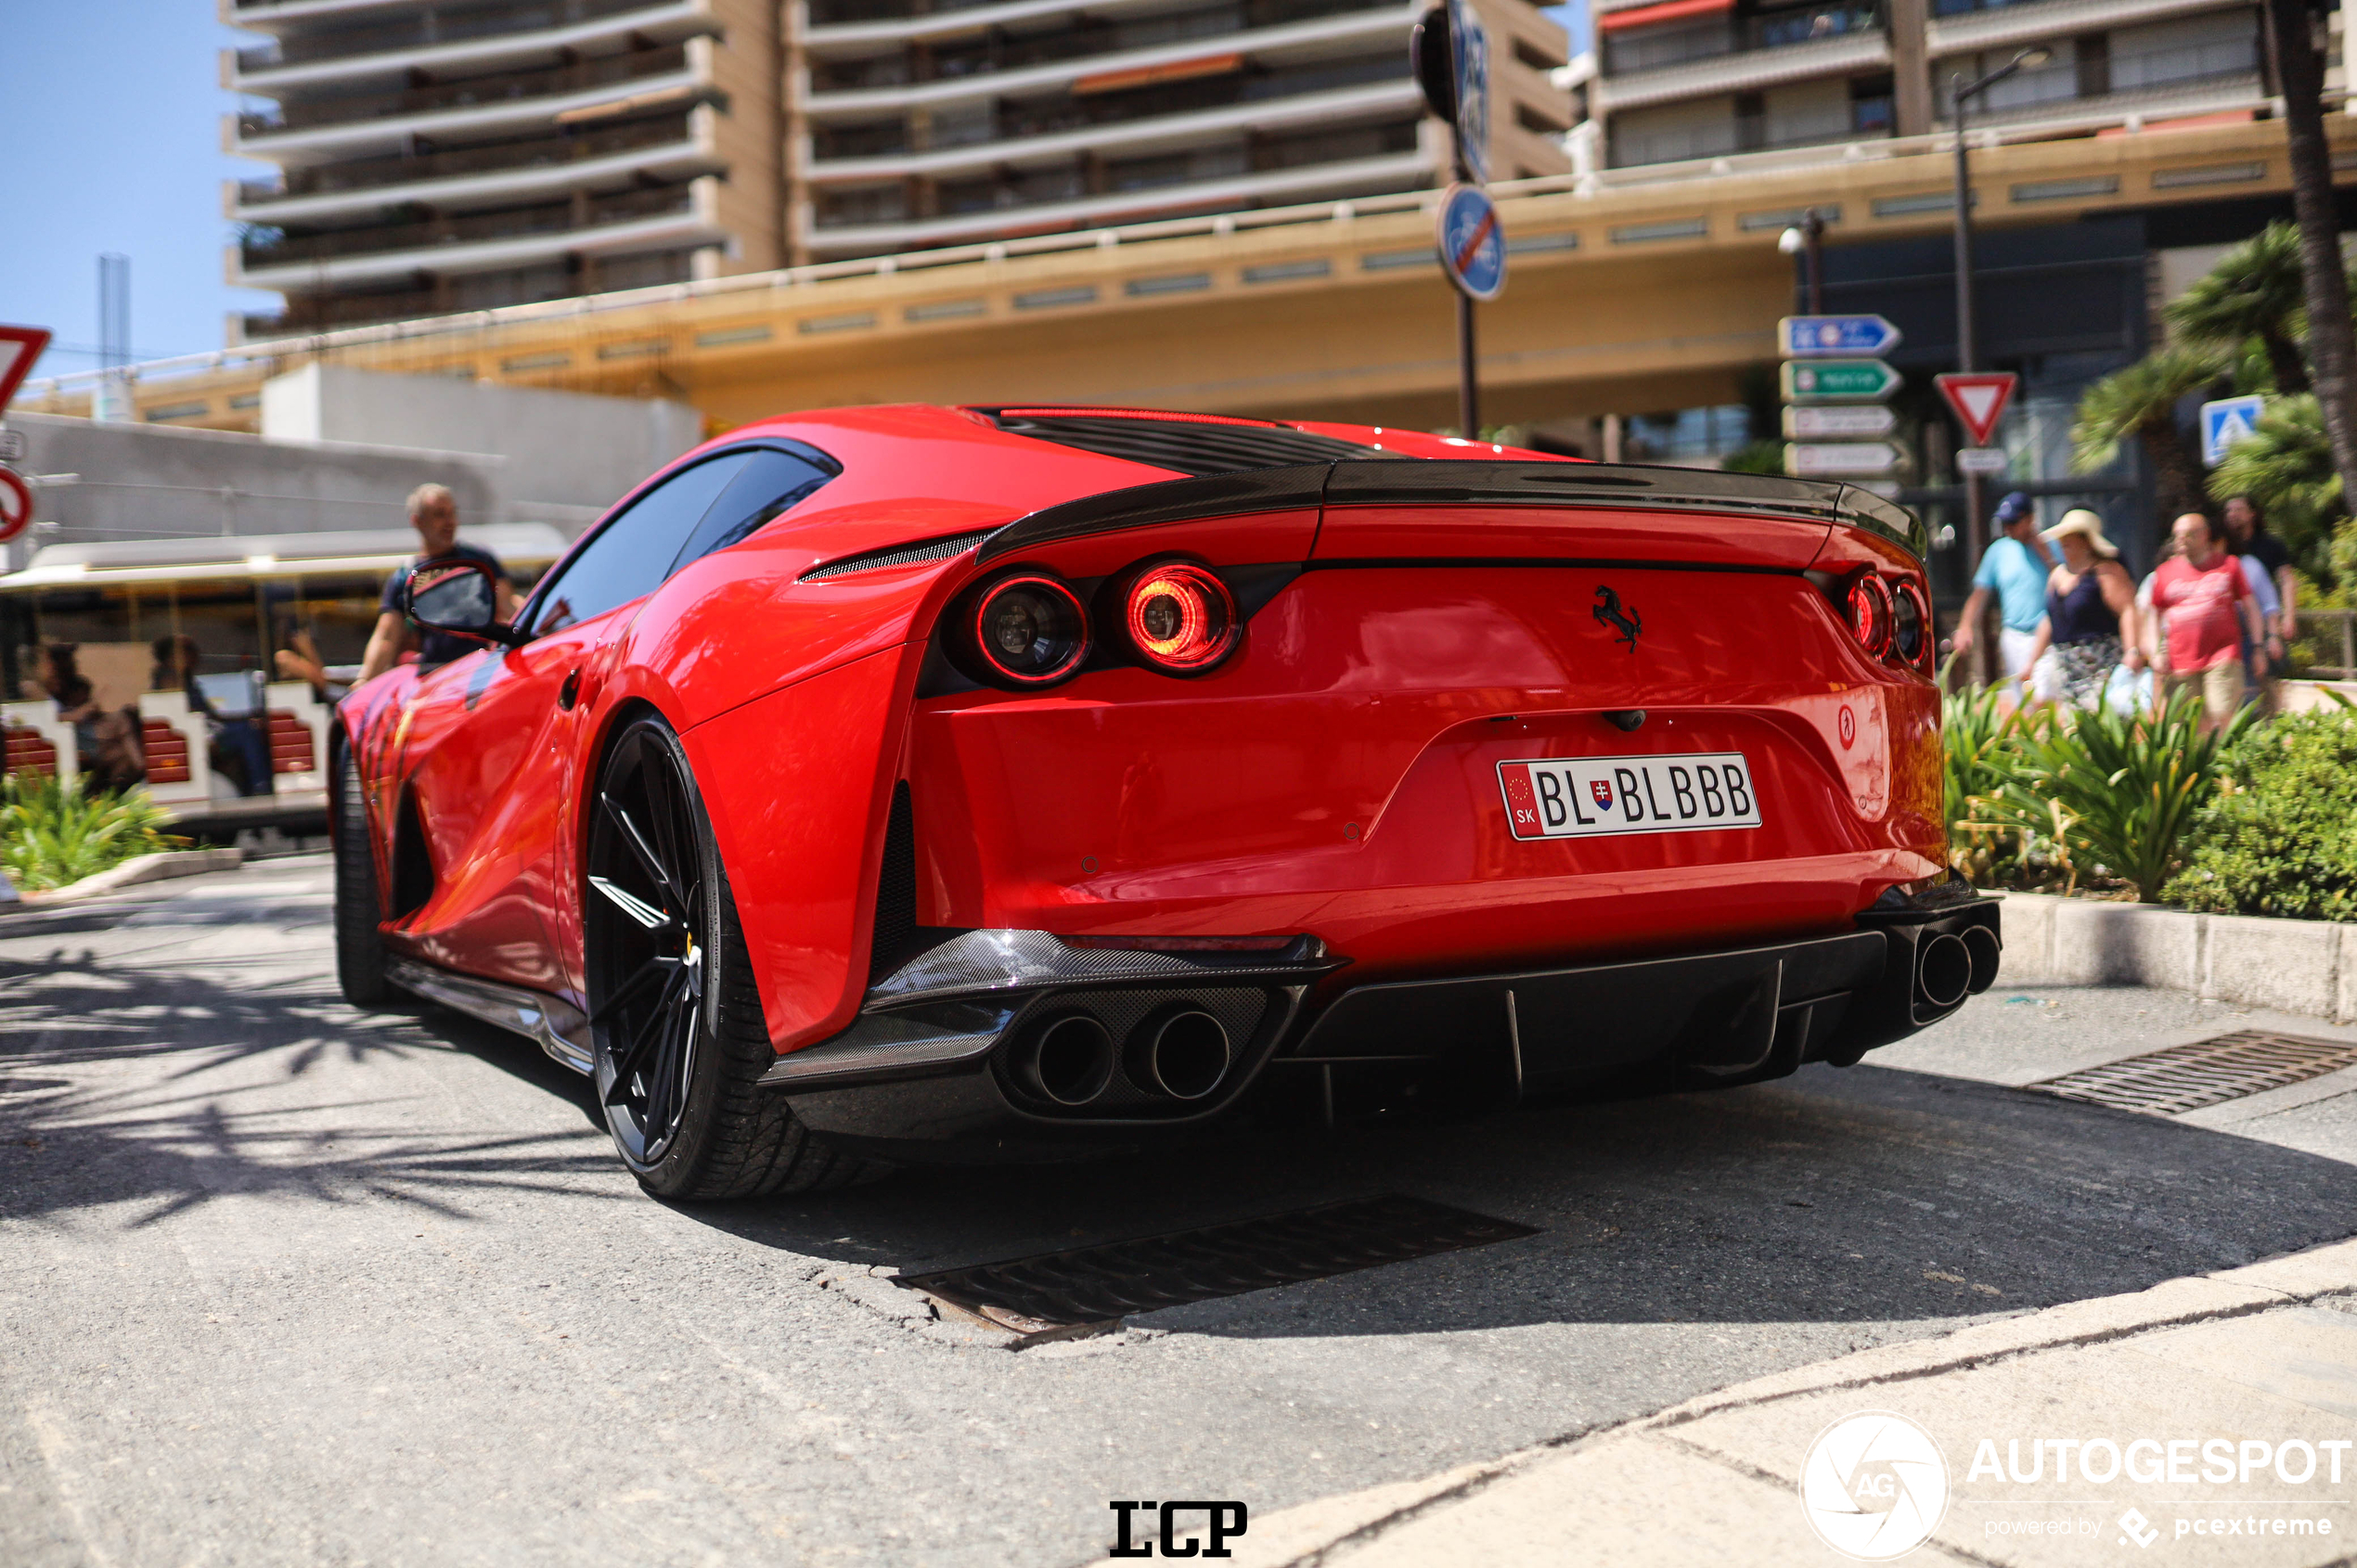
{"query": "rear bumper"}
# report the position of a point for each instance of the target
(941, 1076)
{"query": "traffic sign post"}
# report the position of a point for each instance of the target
(1449, 56)
(1807, 337)
(1839, 380)
(2226, 422)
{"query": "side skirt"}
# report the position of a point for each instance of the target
(554, 1024)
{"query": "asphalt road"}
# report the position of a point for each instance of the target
(284, 1283)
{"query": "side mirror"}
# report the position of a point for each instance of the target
(457, 596)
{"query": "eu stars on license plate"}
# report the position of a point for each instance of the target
(1589, 797)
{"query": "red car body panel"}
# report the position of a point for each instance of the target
(1336, 776)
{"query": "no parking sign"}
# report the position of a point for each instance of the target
(1472, 248)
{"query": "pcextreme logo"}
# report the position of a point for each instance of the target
(1873, 1485)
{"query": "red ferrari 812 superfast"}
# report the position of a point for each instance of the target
(995, 783)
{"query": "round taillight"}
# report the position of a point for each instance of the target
(1181, 617)
(1869, 613)
(1909, 621)
(1030, 631)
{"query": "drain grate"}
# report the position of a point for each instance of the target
(1099, 1284)
(2182, 1078)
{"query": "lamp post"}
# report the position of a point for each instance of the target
(1962, 93)
(1806, 239)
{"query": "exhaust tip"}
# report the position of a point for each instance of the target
(1980, 943)
(1183, 1053)
(1944, 971)
(1068, 1061)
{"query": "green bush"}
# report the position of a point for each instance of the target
(2281, 836)
(51, 835)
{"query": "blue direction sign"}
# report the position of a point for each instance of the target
(2226, 422)
(1472, 246)
(1856, 337)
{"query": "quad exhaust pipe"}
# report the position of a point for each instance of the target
(1068, 1061)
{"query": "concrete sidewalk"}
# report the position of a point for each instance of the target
(2260, 1361)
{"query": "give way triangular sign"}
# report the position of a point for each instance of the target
(1979, 398)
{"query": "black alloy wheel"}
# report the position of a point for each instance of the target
(360, 951)
(674, 1017)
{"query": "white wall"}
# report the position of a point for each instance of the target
(568, 455)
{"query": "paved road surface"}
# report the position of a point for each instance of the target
(283, 1283)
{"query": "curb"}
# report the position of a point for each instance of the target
(2306, 967)
(1312, 1533)
(139, 868)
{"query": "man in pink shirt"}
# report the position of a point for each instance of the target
(2204, 605)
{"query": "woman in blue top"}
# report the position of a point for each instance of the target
(2090, 616)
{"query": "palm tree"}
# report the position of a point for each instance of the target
(2141, 402)
(2332, 346)
(2254, 291)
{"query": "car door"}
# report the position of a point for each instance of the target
(770, 479)
(492, 784)
(513, 910)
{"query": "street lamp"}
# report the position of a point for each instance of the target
(1967, 353)
(1807, 238)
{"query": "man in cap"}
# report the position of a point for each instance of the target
(2015, 569)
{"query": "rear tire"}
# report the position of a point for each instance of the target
(677, 1031)
(360, 952)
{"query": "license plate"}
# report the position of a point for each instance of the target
(1589, 797)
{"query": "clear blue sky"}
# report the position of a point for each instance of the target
(110, 115)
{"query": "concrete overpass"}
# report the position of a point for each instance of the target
(1640, 290)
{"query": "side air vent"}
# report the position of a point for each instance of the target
(1199, 446)
(898, 555)
(896, 889)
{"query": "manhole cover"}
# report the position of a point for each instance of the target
(2182, 1078)
(1098, 1284)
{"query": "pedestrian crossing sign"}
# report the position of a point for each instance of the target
(2225, 422)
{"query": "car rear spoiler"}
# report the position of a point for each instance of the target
(1408, 482)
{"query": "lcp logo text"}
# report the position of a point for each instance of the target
(1222, 1523)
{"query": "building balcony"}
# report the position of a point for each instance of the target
(1744, 71)
(480, 241)
(668, 147)
(2145, 80)
(1036, 132)
(1348, 25)
(985, 39)
(1207, 180)
(437, 40)
(475, 101)
(471, 292)
(1726, 138)
(1958, 26)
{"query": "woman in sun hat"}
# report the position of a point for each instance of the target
(2090, 616)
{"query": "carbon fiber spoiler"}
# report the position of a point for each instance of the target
(1410, 482)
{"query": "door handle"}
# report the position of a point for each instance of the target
(570, 693)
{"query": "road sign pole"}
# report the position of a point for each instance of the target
(1468, 382)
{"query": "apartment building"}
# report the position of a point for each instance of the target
(462, 154)
(1684, 80)
(455, 155)
(941, 124)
